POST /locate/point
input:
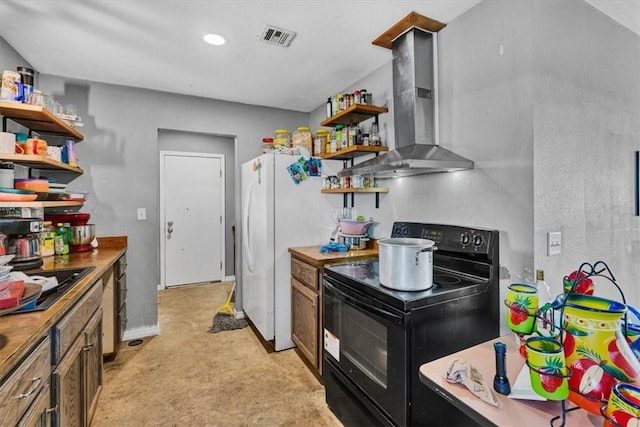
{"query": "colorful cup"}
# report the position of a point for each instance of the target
(578, 282)
(522, 305)
(623, 407)
(547, 368)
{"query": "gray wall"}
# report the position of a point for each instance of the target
(120, 157)
(552, 125)
(485, 115)
(169, 140)
(586, 126)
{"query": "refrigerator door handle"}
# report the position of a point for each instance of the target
(246, 244)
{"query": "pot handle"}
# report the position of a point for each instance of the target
(429, 249)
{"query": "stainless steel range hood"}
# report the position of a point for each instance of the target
(417, 151)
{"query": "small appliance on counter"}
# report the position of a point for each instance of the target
(21, 237)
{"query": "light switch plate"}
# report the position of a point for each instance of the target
(142, 214)
(554, 243)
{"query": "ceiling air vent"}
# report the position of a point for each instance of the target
(276, 35)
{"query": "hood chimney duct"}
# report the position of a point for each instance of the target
(412, 42)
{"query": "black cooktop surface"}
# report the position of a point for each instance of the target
(363, 277)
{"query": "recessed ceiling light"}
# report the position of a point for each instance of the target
(214, 39)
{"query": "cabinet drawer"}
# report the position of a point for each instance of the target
(122, 291)
(67, 329)
(121, 265)
(24, 385)
(305, 273)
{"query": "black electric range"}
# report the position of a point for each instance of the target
(376, 338)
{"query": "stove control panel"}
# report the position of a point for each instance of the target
(447, 237)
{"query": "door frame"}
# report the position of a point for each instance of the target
(168, 153)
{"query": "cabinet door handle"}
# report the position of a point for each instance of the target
(51, 410)
(35, 385)
(88, 347)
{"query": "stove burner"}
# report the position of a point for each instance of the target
(444, 279)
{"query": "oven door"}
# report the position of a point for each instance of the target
(365, 341)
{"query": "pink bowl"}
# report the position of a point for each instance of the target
(351, 226)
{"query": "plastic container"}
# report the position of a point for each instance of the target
(6, 175)
(282, 138)
(302, 138)
(47, 238)
(320, 142)
(26, 74)
(61, 240)
(267, 145)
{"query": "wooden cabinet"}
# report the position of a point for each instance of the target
(305, 311)
(23, 390)
(307, 268)
(77, 377)
(114, 308)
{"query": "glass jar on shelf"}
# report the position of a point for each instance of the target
(302, 138)
(267, 145)
(374, 136)
(320, 142)
(282, 138)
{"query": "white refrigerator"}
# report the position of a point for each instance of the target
(278, 213)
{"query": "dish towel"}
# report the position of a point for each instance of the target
(334, 247)
(460, 371)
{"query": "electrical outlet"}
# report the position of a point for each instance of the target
(554, 243)
(142, 214)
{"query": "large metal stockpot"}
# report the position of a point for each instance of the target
(406, 264)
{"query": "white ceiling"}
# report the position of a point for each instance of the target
(158, 44)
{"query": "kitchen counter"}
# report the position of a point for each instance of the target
(18, 333)
(312, 255)
(512, 412)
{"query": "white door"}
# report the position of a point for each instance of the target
(191, 217)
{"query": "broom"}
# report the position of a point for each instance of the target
(224, 319)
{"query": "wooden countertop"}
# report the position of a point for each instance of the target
(19, 332)
(512, 412)
(312, 255)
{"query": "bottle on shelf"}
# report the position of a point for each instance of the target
(61, 240)
(545, 313)
(374, 136)
(47, 238)
(333, 144)
(340, 137)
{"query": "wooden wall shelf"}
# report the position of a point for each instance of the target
(38, 119)
(354, 114)
(354, 151)
(38, 162)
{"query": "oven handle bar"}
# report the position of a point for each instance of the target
(369, 308)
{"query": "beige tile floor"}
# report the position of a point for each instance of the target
(188, 377)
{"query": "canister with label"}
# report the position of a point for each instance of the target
(282, 138)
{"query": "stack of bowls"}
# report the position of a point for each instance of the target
(40, 186)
